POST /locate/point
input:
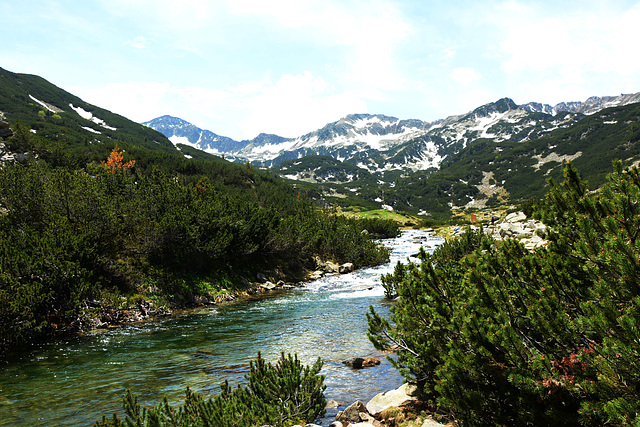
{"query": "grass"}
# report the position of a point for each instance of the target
(404, 219)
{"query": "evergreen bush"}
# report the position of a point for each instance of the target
(283, 394)
(499, 335)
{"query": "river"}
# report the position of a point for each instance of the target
(73, 382)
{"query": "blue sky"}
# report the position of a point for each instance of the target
(241, 67)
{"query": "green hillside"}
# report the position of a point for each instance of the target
(484, 171)
(92, 224)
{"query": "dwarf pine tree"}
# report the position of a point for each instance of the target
(283, 394)
(499, 335)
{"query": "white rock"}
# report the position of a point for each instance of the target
(398, 397)
(431, 423)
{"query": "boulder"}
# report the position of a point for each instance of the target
(352, 413)
(345, 268)
(261, 277)
(330, 267)
(268, 286)
(361, 362)
(315, 275)
(355, 363)
(515, 217)
(336, 424)
(332, 403)
(398, 397)
(370, 361)
(365, 417)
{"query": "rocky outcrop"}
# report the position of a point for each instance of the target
(268, 286)
(352, 412)
(516, 225)
(345, 268)
(330, 267)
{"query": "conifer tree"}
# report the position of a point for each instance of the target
(499, 335)
(283, 394)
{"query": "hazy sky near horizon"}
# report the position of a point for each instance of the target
(241, 67)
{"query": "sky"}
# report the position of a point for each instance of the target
(288, 67)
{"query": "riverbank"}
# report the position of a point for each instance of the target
(400, 407)
(74, 380)
(113, 312)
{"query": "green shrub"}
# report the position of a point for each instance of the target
(498, 335)
(283, 394)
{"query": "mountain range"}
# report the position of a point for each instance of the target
(379, 143)
(498, 153)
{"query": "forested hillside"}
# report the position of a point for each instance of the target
(95, 224)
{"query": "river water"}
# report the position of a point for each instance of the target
(74, 381)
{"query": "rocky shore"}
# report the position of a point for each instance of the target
(100, 315)
(401, 407)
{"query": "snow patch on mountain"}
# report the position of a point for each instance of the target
(87, 115)
(379, 144)
(50, 107)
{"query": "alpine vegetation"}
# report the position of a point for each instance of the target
(495, 334)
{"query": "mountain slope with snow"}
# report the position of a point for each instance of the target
(381, 144)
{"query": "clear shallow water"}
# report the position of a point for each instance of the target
(73, 382)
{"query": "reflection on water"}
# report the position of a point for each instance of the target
(73, 382)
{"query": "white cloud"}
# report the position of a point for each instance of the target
(570, 53)
(465, 75)
(296, 104)
(172, 15)
(139, 42)
(369, 31)
(291, 106)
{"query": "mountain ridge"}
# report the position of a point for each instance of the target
(376, 141)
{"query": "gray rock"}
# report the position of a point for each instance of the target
(355, 363)
(352, 413)
(332, 403)
(398, 397)
(268, 286)
(345, 268)
(366, 417)
(330, 267)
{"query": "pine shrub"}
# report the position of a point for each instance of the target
(498, 335)
(283, 394)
